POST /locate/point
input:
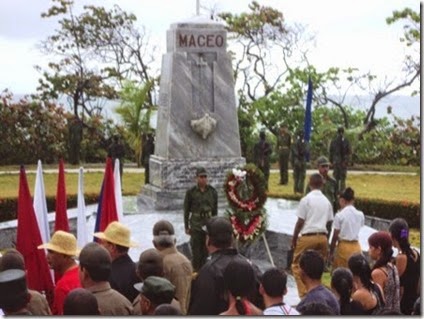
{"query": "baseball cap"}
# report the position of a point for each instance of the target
(322, 160)
(156, 288)
(201, 171)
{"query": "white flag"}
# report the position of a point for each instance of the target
(118, 191)
(81, 218)
(40, 205)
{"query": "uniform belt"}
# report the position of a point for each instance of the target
(314, 234)
(348, 241)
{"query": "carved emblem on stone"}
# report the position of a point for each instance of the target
(204, 126)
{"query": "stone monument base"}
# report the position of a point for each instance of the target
(170, 179)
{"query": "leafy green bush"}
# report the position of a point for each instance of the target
(9, 206)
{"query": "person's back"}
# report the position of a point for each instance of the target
(273, 287)
(38, 305)
(80, 302)
(150, 263)
(95, 265)
(342, 285)
(239, 278)
(176, 267)
(312, 266)
(207, 294)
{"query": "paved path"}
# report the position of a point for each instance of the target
(141, 170)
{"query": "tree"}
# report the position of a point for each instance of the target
(135, 111)
(265, 52)
(367, 82)
(92, 53)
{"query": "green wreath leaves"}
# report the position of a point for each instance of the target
(245, 189)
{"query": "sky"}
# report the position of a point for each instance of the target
(347, 33)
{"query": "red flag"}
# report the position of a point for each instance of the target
(108, 212)
(28, 238)
(61, 222)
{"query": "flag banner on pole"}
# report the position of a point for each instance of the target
(82, 237)
(40, 205)
(118, 191)
(307, 127)
(28, 239)
(99, 212)
(106, 211)
(61, 221)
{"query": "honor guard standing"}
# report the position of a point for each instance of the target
(299, 150)
(340, 152)
(261, 154)
(283, 145)
(200, 203)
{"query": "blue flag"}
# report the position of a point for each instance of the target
(308, 113)
(307, 126)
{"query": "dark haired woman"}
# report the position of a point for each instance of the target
(384, 272)
(365, 291)
(239, 278)
(346, 226)
(407, 263)
(342, 286)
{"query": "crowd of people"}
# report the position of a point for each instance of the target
(102, 279)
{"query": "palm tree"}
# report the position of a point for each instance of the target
(135, 111)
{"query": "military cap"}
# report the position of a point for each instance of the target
(156, 288)
(218, 226)
(340, 129)
(322, 160)
(163, 227)
(13, 287)
(201, 171)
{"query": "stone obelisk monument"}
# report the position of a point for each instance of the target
(197, 118)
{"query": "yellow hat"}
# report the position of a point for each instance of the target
(63, 243)
(118, 234)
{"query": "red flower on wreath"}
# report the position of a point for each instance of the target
(246, 194)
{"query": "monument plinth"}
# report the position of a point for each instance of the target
(197, 117)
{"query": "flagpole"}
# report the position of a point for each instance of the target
(118, 191)
(81, 218)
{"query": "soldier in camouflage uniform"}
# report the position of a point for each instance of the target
(298, 153)
(200, 203)
(283, 146)
(340, 152)
(329, 187)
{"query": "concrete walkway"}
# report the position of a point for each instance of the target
(141, 170)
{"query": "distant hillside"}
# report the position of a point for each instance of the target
(403, 106)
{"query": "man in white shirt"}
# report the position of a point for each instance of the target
(314, 214)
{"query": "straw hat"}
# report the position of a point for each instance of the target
(118, 234)
(63, 243)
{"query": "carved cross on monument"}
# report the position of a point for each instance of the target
(203, 83)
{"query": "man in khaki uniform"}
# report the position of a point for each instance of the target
(177, 268)
(94, 270)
